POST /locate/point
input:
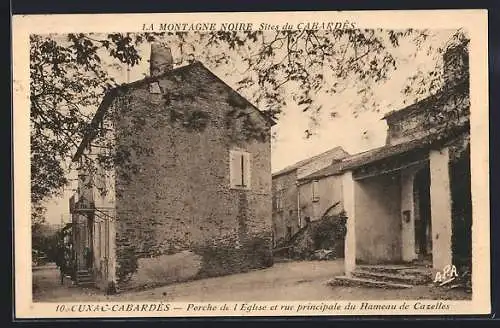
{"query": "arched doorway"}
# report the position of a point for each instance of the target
(423, 227)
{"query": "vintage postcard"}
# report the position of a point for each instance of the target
(251, 164)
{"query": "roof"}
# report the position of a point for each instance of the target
(293, 167)
(377, 154)
(112, 93)
(423, 104)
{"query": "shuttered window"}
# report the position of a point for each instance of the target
(239, 162)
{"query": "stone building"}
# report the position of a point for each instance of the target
(189, 194)
(319, 195)
(398, 198)
(292, 208)
(409, 201)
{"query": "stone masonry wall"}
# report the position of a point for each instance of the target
(329, 193)
(287, 215)
(177, 217)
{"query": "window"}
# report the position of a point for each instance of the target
(278, 200)
(239, 162)
(315, 191)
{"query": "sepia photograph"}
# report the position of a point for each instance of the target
(308, 162)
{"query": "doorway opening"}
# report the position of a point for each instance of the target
(288, 235)
(89, 245)
(460, 181)
(423, 227)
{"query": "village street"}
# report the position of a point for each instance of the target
(305, 280)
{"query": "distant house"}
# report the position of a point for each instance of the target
(320, 195)
(293, 207)
(409, 200)
(191, 199)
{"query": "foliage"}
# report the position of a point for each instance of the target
(67, 78)
(326, 233)
(281, 69)
(128, 264)
(37, 214)
(447, 84)
(45, 241)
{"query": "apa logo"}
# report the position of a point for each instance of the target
(447, 275)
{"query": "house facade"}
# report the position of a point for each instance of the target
(189, 194)
(320, 196)
(294, 205)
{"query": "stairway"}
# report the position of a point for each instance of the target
(385, 276)
(84, 279)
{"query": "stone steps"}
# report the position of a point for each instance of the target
(87, 284)
(361, 282)
(394, 269)
(411, 275)
(84, 279)
(385, 276)
(391, 277)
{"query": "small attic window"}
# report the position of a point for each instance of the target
(154, 88)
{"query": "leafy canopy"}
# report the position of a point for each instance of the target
(70, 73)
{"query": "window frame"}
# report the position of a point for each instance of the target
(244, 169)
(278, 200)
(315, 191)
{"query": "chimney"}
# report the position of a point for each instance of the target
(191, 59)
(161, 59)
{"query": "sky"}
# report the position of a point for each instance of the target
(355, 133)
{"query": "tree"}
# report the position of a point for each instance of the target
(447, 83)
(44, 238)
(66, 79)
(70, 74)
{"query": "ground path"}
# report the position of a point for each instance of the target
(290, 281)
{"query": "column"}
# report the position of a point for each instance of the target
(408, 214)
(441, 216)
(349, 208)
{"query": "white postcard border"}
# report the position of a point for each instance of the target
(474, 21)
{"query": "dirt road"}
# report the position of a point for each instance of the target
(284, 281)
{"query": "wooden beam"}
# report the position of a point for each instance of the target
(360, 175)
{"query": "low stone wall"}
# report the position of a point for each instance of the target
(221, 256)
(228, 256)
